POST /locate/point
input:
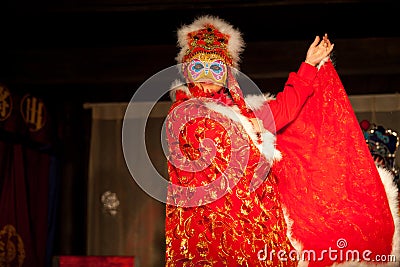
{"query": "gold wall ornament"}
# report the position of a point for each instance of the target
(33, 111)
(12, 252)
(110, 202)
(5, 103)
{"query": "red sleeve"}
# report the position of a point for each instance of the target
(288, 103)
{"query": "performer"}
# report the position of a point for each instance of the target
(341, 210)
(223, 206)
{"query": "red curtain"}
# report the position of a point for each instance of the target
(25, 171)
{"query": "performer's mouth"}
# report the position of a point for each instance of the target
(207, 81)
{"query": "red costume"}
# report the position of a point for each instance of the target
(334, 196)
(322, 203)
(213, 216)
(231, 230)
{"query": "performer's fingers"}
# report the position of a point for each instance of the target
(322, 43)
(330, 48)
(328, 41)
(315, 42)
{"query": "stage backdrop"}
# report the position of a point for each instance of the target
(122, 219)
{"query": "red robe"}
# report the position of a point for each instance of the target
(242, 227)
(332, 192)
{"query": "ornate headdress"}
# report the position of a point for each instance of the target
(212, 35)
(200, 41)
(208, 34)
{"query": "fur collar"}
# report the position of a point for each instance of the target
(268, 140)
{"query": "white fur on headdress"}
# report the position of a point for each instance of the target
(235, 42)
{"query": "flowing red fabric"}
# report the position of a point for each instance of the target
(328, 181)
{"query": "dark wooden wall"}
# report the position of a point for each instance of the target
(105, 49)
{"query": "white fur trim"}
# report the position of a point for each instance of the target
(298, 246)
(235, 43)
(267, 146)
(322, 62)
(257, 101)
(392, 195)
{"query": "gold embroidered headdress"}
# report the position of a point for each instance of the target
(209, 34)
(212, 35)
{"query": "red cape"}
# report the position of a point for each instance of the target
(330, 186)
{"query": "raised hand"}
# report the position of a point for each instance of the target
(319, 50)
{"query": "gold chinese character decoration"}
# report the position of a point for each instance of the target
(12, 252)
(33, 112)
(5, 103)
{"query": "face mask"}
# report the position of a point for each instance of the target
(207, 68)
